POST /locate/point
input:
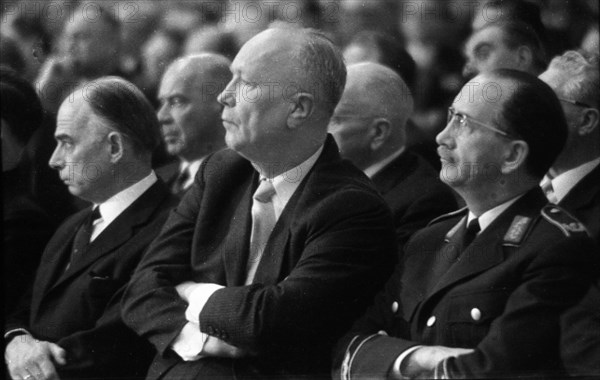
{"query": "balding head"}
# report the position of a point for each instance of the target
(189, 113)
(369, 121)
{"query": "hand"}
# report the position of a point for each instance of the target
(425, 358)
(216, 347)
(30, 359)
(185, 290)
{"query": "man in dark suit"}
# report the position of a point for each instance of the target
(69, 326)
(573, 181)
(26, 228)
(369, 126)
(480, 291)
(235, 286)
(190, 115)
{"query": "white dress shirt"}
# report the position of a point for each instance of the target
(190, 341)
(563, 183)
(378, 166)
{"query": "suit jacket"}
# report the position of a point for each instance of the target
(584, 202)
(321, 266)
(78, 309)
(26, 229)
(503, 297)
(413, 191)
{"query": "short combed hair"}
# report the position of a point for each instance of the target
(520, 34)
(582, 76)
(127, 110)
(324, 66)
(533, 113)
(20, 106)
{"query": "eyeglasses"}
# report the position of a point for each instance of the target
(464, 120)
(575, 102)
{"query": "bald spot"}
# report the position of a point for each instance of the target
(375, 90)
(199, 70)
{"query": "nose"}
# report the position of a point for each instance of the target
(445, 136)
(227, 97)
(164, 114)
(56, 161)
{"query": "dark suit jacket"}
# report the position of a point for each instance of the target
(413, 191)
(26, 229)
(79, 308)
(503, 297)
(329, 252)
(584, 202)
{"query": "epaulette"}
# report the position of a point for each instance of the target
(448, 215)
(564, 221)
(518, 230)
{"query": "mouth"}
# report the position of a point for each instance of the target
(444, 157)
(228, 123)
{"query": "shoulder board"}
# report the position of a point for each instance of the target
(449, 215)
(564, 221)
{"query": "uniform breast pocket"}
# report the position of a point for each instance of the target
(471, 314)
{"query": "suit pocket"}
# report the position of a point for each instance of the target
(102, 286)
(471, 314)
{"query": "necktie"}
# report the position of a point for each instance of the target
(181, 179)
(471, 232)
(263, 221)
(83, 235)
(549, 191)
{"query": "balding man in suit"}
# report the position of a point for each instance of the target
(369, 126)
(264, 264)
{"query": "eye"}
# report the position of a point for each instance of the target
(482, 53)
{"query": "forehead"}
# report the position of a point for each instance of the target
(483, 97)
(267, 57)
(72, 114)
(490, 35)
(183, 80)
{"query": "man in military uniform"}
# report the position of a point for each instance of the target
(479, 292)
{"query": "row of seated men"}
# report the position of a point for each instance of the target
(280, 259)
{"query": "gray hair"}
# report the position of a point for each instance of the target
(580, 69)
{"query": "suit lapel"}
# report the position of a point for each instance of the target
(486, 251)
(120, 230)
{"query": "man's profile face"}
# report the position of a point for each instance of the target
(256, 100)
(471, 155)
(82, 154)
(486, 51)
(189, 116)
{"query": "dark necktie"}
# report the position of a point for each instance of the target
(471, 232)
(83, 235)
(182, 178)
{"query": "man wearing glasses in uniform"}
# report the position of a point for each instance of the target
(480, 291)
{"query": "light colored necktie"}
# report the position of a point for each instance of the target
(263, 221)
(549, 191)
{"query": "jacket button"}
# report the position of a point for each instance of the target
(394, 307)
(431, 321)
(475, 314)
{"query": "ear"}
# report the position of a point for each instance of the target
(380, 130)
(524, 56)
(117, 146)
(302, 107)
(589, 122)
(516, 154)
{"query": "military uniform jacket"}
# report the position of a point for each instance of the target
(502, 297)
(330, 251)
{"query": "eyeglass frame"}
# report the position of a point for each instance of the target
(452, 113)
(575, 102)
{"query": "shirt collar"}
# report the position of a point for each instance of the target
(376, 167)
(115, 205)
(286, 183)
(563, 183)
(490, 215)
(192, 167)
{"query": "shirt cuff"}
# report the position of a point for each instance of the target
(197, 299)
(401, 363)
(190, 342)
(13, 333)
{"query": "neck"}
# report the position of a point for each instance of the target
(479, 202)
(574, 157)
